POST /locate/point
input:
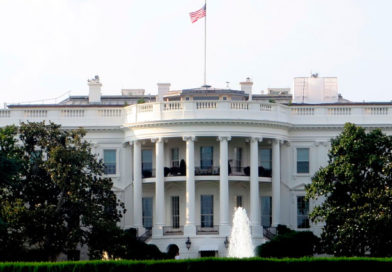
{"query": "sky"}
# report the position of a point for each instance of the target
(50, 48)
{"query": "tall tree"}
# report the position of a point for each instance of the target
(64, 195)
(11, 208)
(355, 190)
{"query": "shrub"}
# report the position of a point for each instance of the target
(289, 243)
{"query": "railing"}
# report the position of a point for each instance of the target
(295, 114)
(245, 171)
(173, 231)
(35, 113)
(145, 236)
(5, 113)
(110, 112)
(145, 107)
(207, 230)
(174, 171)
(302, 111)
(211, 171)
(172, 106)
(376, 110)
(148, 173)
(72, 113)
(270, 232)
(239, 105)
(205, 105)
(339, 111)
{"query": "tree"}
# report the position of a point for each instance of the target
(11, 240)
(355, 191)
(60, 193)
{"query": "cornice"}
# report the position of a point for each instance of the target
(263, 123)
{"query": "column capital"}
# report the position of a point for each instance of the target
(158, 140)
(255, 139)
(127, 144)
(278, 141)
(189, 138)
(223, 138)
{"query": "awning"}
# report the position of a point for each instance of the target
(208, 247)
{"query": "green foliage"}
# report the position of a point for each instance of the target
(289, 243)
(141, 101)
(122, 244)
(208, 264)
(355, 191)
(53, 195)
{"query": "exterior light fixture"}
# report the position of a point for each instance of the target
(226, 242)
(188, 243)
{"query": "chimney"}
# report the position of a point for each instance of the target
(94, 91)
(246, 86)
(163, 89)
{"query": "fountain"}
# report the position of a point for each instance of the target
(241, 245)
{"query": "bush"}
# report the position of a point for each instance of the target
(289, 243)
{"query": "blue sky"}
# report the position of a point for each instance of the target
(51, 47)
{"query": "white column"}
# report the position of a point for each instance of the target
(255, 216)
(137, 187)
(126, 176)
(190, 227)
(159, 188)
(224, 224)
(275, 183)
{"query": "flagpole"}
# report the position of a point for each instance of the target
(205, 45)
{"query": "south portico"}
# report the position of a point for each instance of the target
(220, 177)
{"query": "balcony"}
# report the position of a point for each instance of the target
(245, 171)
(211, 171)
(214, 230)
(173, 231)
(148, 173)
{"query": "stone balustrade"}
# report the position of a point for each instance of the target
(328, 114)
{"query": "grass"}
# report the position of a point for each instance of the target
(207, 264)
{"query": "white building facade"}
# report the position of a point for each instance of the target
(183, 162)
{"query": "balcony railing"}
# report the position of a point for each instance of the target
(148, 173)
(173, 231)
(207, 230)
(116, 115)
(211, 171)
(245, 171)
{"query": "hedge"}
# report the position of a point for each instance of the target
(208, 264)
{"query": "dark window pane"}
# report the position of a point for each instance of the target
(302, 212)
(109, 160)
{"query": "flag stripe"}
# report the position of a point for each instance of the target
(196, 15)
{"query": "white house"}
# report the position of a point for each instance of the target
(238, 149)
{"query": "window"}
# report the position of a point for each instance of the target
(238, 201)
(266, 211)
(207, 211)
(237, 159)
(224, 98)
(187, 98)
(265, 161)
(109, 160)
(147, 212)
(175, 200)
(175, 158)
(147, 163)
(206, 157)
(302, 160)
(302, 212)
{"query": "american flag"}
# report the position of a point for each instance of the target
(196, 15)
